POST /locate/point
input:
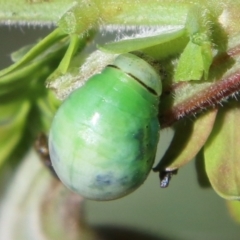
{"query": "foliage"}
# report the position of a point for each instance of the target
(194, 46)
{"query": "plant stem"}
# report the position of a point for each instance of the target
(210, 96)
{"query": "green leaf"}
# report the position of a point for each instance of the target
(194, 62)
(234, 210)
(17, 55)
(12, 123)
(37, 12)
(222, 153)
(189, 138)
(138, 43)
(35, 51)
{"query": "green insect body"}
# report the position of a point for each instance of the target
(104, 136)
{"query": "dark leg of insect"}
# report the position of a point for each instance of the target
(41, 147)
(165, 177)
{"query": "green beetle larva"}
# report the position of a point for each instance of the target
(104, 136)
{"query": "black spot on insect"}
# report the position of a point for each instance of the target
(123, 180)
(165, 177)
(104, 179)
(139, 137)
(41, 147)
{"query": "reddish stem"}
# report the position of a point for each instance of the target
(207, 98)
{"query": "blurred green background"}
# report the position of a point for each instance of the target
(183, 211)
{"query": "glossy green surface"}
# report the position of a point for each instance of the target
(104, 136)
(140, 69)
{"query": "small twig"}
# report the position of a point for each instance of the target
(210, 97)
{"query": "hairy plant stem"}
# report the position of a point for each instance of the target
(210, 95)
